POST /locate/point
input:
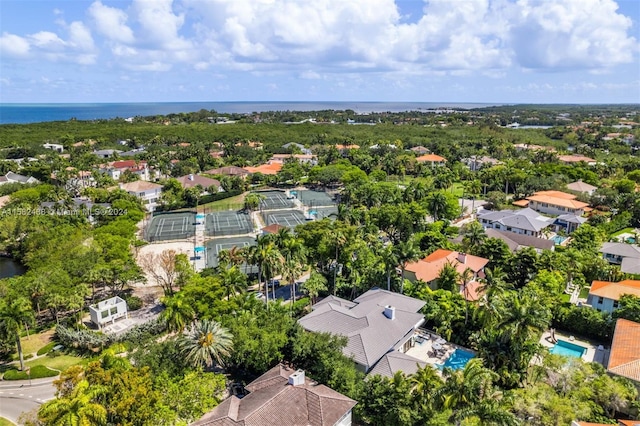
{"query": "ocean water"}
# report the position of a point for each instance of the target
(36, 113)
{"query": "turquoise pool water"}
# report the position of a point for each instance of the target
(458, 359)
(631, 240)
(568, 349)
(558, 239)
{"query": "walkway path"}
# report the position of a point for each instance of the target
(200, 258)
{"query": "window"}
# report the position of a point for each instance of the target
(615, 304)
(600, 300)
(508, 228)
(104, 314)
(114, 310)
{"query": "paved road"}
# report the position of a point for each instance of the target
(17, 396)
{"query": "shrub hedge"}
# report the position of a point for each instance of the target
(45, 349)
(37, 372)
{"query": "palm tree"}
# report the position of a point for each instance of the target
(230, 257)
(437, 204)
(13, 315)
(291, 269)
(473, 236)
(406, 251)
(206, 343)
(78, 409)
(233, 280)
(465, 278)
(177, 313)
(424, 383)
(448, 278)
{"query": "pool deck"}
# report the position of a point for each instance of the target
(425, 352)
(593, 354)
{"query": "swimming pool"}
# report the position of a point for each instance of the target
(568, 349)
(558, 239)
(458, 359)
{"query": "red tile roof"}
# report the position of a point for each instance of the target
(624, 357)
(614, 291)
(265, 169)
(428, 269)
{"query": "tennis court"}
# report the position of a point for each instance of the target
(320, 213)
(274, 200)
(228, 223)
(215, 246)
(314, 198)
(290, 218)
(171, 226)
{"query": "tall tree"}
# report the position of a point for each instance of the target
(77, 409)
(178, 312)
(14, 314)
(206, 343)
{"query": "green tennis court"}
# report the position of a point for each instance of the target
(274, 200)
(171, 226)
(215, 246)
(290, 218)
(228, 223)
(314, 198)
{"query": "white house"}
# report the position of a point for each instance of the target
(54, 146)
(524, 222)
(11, 177)
(108, 311)
(604, 296)
(148, 192)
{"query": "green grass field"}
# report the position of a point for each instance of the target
(61, 362)
(5, 422)
(232, 203)
(623, 231)
(36, 341)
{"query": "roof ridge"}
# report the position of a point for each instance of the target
(635, 361)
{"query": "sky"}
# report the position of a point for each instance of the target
(485, 51)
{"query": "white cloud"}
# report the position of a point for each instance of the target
(572, 34)
(14, 46)
(80, 36)
(159, 25)
(111, 22)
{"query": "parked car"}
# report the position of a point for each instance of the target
(273, 283)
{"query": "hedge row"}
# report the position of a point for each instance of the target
(37, 372)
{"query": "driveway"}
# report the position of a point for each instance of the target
(18, 396)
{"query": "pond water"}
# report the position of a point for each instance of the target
(10, 268)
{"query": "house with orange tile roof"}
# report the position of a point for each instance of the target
(429, 268)
(433, 159)
(556, 203)
(576, 158)
(624, 356)
(605, 295)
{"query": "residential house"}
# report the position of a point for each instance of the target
(282, 396)
(77, 180)
(623, 254)
(106, 153)
(583, 187)
(604, 295)
(576, 158)
(517, 242)
(229, 171)
(429, 268)
(419, 150)
(148, 192)
(192, 181)
(54, 146)
(476, 162)
(116, 169)
(375, 323)
(344, 149)
(108, 311)
(432, 159)
(556, 203)
(302, 158)
(12, 177)
(525, 222)
(395, 361)
(133, 152)
(300, 147)
(531, 147)
(624, 356)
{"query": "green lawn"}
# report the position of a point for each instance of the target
(584, 293)
(231, 203)
(623, 231)
(61, 362)
(457, 190)
(36, 341)
(5, 422)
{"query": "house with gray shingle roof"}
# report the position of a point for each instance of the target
(623, 254)
(376, 323)
(525, 221)
(517, 242)
(282, 396)
(12, 177)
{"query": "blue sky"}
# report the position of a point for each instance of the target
(496, 51)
